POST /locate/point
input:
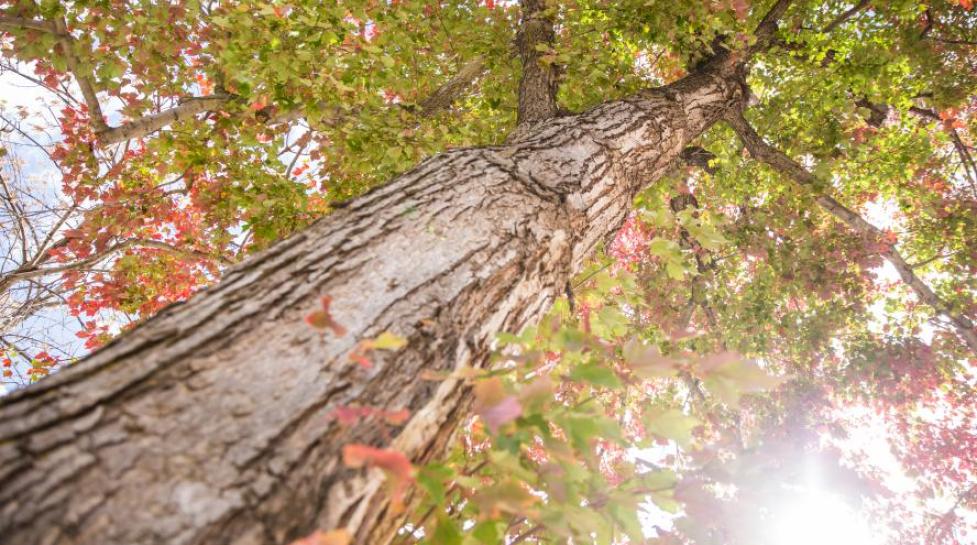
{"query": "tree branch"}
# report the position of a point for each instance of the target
(783, 164)
(59, 29)
(444, 96)
(844, 17)
(83, 79)
(767, 29)
(699, 157)
(23, 23)
(149, 124)
(540, 79)
(440, 99)
(32, 271)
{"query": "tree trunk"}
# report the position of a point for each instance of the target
(208, 423)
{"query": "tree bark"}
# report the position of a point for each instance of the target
(208, 423)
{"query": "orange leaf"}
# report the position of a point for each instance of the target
(394, 463)
(322, 319)
(332, 537)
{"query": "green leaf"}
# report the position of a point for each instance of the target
(446, 532)
(432, 478)
(488, 532)
(671, 424)
(595, 374)
(647, 361)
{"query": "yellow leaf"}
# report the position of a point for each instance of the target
(388, 341)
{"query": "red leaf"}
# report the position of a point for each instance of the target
(394, 463)
(321, 319)
(396, 418)
(493, 405)
(505, 411)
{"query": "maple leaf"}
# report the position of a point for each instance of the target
(493, 405)
(399, 470)
(322, 319)
(647, 361)
(741, 8)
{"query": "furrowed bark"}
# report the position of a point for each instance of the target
(208, 423)
(780, 162)
(540, 80)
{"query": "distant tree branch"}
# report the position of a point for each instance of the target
(440, 99)
(845, 16)
(766, 30)
(23, 23)
(783, 164)
(29, 270)
(698, 157)
(83, 78)
(878, 113)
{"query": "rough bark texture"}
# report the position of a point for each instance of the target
(540, 81)
(208, 424)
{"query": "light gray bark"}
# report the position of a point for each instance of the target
(208, 423)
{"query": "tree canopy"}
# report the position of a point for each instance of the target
(786, 314)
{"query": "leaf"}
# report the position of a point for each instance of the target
(730, 380)
(432, 478)
(508, 496)
(387, 341)
(487, 532)
(595, 374)
(671, 424)
(502, 413)
(322, 319)
(446, 532)
(493, 405)
(399, 470)
(647, 361)
(609, 322)
(396, 418)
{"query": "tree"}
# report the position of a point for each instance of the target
(208, 421)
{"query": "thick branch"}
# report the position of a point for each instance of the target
(540, 79)
(149, 124)
(23, 23)
(780, 162)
